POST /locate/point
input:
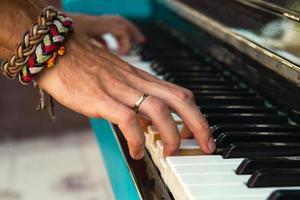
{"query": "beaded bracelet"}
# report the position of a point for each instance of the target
(39, 49)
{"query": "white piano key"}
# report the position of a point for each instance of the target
(163, 168)
(204, 168)
(228, 191)
(181, 185)
(203, 159)
(187, 147)
(147, 140)
(131, 58)
(254, 197)
(212, 179)
(176, 117)
(111, 41)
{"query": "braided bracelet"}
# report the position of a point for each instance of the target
(39, 48)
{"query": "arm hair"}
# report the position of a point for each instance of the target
(16, 17)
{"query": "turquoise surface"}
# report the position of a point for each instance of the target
(140, 9)
(122, 184)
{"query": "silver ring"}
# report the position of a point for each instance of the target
(139, 102)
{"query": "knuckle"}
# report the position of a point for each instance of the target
(158, 106)
(173, 144)
(128, 118)
(190, 94)
(184, 95)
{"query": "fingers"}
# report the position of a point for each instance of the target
(144, 122)
(125, 31)
(161, 118)
(124, 43)
(134, 31)
(126, 120)
(182, 101)
(157, 111)
(185, 132)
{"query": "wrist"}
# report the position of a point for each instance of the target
(78, 53)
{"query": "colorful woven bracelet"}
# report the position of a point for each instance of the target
(39, 49)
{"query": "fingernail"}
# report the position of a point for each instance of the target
(211, 145)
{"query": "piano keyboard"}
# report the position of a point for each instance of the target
(258, 149)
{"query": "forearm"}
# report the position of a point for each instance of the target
(16, 17)
(55, 3)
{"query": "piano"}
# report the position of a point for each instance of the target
(241, 58)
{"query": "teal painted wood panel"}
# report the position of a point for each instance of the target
(140, 9)
(121, 180)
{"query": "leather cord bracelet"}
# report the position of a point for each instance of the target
(39, 48)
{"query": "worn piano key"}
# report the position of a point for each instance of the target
(222, 109)
(250, 165)
(244, 150)
(226, 138)
(245, 119)
(275, 178)
(268, 127)
(187, 147)
(284, 195)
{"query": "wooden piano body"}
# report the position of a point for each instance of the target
(255, 41)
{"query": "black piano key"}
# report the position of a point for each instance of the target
(206, 82)
(192, 80)
(235, 89)
(250, 165)
(221, 109)
(180, 64)
(285, 195)
(163, 70)
(254, 150)
(225, 139)
(170, 55)
(186, 75)
(245, 119)
(206, 100)
(275, 178)
(187, 68)
(224, 93)
(218, 129)
(212, 87)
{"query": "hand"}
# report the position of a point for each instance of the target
(91, 81)
(95, 26)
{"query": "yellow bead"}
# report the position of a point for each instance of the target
(61, 51)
